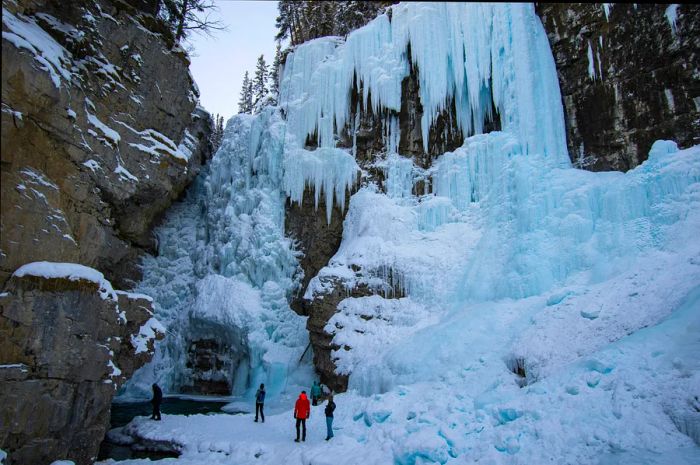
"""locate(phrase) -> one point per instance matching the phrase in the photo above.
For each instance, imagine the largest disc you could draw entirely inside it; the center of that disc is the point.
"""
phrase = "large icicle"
(476, 53)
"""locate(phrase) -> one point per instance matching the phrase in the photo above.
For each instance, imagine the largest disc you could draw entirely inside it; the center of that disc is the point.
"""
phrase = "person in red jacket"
(302, 410)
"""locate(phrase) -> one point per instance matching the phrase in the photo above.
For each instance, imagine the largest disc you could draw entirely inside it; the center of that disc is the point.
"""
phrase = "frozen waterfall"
(524, 283)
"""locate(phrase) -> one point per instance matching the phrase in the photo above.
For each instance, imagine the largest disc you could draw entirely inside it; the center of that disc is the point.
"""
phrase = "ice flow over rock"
(545, 314)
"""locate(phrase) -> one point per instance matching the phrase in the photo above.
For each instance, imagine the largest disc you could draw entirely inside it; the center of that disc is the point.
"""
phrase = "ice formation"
(475, 53)
(525, 311)
(224, 269)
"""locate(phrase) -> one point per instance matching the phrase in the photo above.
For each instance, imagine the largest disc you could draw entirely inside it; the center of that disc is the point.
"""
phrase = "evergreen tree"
(288, 21)
(300, 21)
(245, 104)
(213, 135)
(354, 14)
(217, 132)
(260, 81)
(275, 71)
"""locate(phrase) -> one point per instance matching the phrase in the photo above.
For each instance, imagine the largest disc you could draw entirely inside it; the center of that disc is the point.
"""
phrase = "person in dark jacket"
(156, 401)
(259, 402)
(302, 411)
(330, 408)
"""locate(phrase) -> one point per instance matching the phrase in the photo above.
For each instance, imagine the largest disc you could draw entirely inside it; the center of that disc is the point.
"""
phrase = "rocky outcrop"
(66, 345)
(100, 133)
(317, 239)
(628, 76)
(212, 366)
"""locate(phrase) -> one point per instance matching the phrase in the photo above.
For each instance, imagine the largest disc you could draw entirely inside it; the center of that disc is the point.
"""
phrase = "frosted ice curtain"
(523, 311)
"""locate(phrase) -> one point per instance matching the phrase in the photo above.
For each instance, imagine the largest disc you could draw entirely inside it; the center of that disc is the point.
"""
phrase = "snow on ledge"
(70, 271)
(24, 33)
(149, 331)
(135, 296)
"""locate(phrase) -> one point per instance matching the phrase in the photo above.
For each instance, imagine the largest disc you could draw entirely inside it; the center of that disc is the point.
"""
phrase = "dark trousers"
(156, 412)
(314, 400)
(302, 422)
(259, 408)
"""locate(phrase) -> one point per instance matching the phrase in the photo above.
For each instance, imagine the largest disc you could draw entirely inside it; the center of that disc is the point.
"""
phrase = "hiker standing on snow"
(157, 399)
(259, 403)
(315, 393)
(330, 407)
(302, 411)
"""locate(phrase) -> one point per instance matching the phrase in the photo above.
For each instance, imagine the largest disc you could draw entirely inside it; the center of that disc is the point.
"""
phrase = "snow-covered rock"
(67, 346)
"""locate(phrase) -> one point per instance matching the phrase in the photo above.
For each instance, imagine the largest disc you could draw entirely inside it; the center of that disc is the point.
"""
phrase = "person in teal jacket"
(315, 393)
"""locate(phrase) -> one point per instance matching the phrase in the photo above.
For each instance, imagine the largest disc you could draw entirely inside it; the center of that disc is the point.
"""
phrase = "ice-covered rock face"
(225, 270)
(475, 297)
(482, 55)
(502, 217)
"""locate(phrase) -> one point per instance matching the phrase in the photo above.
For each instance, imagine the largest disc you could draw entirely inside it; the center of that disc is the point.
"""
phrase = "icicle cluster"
(481, 55)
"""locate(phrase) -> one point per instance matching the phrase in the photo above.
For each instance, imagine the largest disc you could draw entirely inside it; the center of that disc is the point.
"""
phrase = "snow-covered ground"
(622, 404)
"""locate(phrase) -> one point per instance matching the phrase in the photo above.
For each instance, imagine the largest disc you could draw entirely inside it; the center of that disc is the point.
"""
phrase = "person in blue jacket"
(259, 402)
(315, 393)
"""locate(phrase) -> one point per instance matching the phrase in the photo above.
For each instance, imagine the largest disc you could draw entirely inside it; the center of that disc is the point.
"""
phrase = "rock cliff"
(67, 344)
(100, 133)
(628, 76)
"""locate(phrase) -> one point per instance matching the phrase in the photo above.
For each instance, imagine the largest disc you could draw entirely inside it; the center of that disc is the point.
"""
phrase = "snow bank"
(147, 332)
(70, 271)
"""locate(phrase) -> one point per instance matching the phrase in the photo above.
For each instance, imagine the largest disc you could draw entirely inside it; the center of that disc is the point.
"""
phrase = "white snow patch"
(162, 144)
(135, 295)
(123, 172)
(70, 271)
(93, 165)
(24, 33)
(147, 332)
(35, 177)
(115, 370)
(112, 136)
(7, 109)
